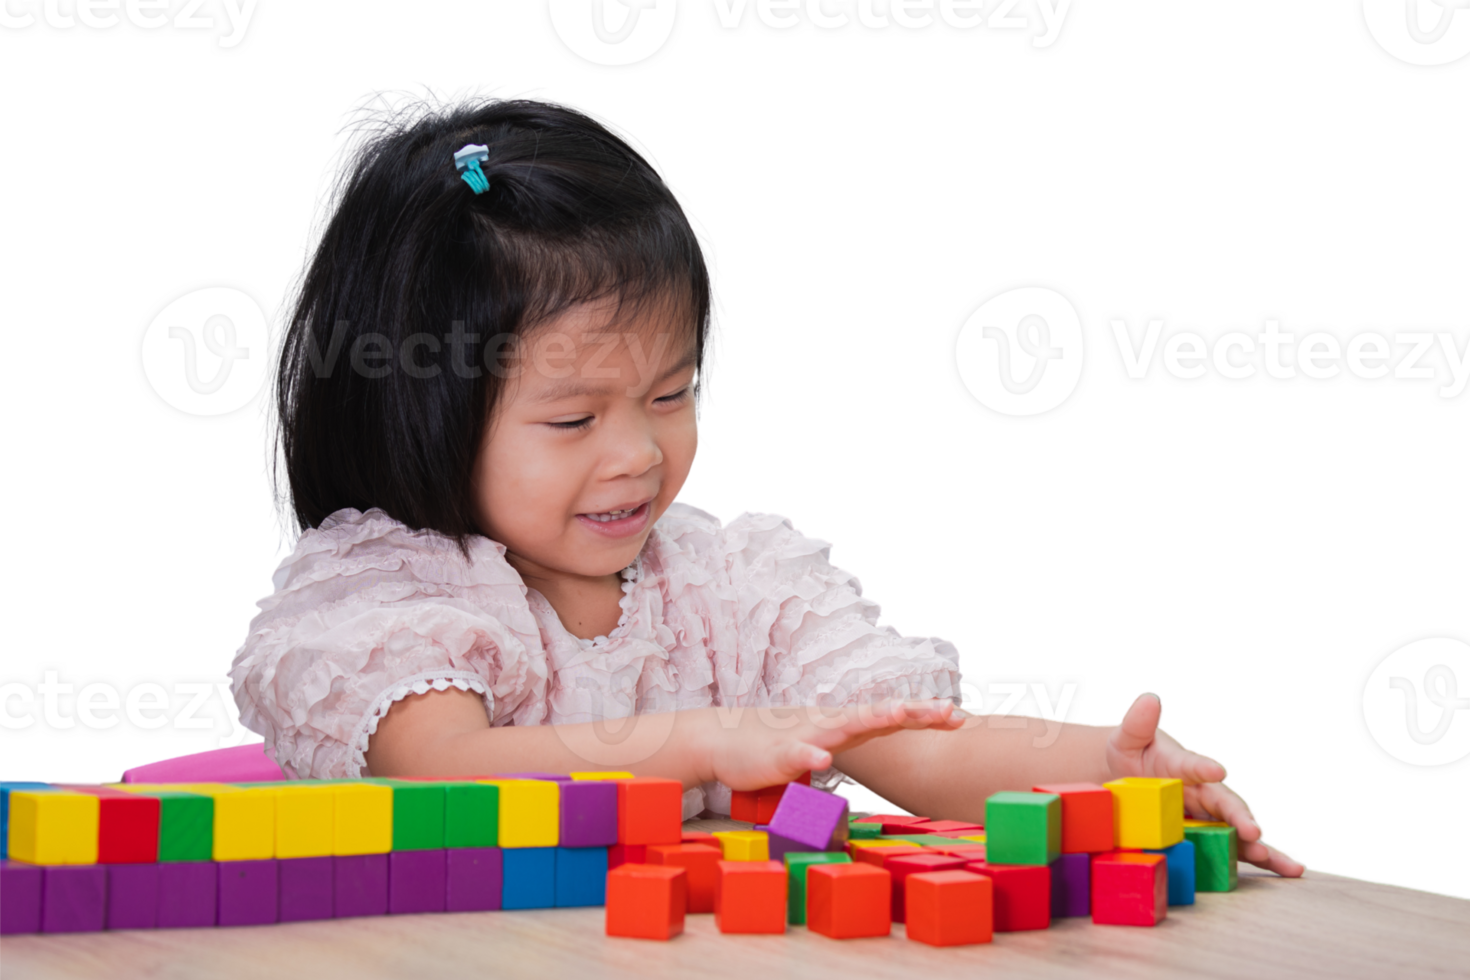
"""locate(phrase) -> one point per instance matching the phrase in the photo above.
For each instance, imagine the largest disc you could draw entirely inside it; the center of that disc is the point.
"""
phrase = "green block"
(796, 868)
(864, 831)
(923, 840)
(1023, 828)
(418, 815)
(1215, 851)
(471, 815)
(185, 826)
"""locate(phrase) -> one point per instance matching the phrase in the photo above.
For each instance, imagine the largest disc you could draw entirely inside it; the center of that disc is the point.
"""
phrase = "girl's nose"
(633, 450)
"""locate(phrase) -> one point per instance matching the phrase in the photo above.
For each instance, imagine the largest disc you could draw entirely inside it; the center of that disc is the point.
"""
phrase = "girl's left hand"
(1137, 748)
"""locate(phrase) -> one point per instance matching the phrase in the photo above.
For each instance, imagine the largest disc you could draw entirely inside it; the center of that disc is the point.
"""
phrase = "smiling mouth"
(619, 518)
(612, 515)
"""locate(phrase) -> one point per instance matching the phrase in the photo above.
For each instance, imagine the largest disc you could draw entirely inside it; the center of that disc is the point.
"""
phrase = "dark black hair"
(383, 390)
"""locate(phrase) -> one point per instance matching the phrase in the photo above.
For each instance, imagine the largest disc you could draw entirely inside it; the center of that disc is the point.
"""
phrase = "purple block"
(1071, 885)
(473, 879)
(74, 898)
(778, 846)
(416, 881)
(589, 814)
(132, 896)
(248, 892)
(20, 898)
(359, 885)
(812, 818)
(188, 892)
(305, 888)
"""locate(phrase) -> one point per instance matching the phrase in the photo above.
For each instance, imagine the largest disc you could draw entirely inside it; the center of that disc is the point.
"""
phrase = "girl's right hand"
(752, 748)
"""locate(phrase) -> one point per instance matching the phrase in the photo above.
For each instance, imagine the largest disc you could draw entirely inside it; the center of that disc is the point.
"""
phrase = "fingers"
(1264, 856)
(1195, 768)
(799, 757)
(1136, 732)
(1222, 803)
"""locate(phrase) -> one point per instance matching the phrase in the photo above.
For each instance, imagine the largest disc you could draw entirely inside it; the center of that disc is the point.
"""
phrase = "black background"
(1250, 548)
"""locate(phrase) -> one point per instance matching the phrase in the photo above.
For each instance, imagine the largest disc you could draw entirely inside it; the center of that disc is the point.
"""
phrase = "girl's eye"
(675, 397)
(575, 424)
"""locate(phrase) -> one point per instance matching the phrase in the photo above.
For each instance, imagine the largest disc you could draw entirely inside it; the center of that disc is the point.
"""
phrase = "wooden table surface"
(1321, 925)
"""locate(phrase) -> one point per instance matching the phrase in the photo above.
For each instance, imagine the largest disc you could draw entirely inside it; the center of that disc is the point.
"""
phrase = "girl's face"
(591, 441)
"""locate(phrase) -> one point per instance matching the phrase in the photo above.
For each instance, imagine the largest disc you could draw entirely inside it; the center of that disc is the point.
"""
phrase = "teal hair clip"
(467, 162)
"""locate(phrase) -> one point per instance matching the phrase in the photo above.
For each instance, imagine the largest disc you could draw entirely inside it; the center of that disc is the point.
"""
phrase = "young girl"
(486, 402)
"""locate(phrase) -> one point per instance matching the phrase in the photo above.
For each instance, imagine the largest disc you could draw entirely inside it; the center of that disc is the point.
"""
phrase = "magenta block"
(1071, 885)
(589, 814)
(132, 896)
(416, 881)
(359, 885)
(20, 898)
(305, 888)
(473, 877)
(810, 817)
(74, 898)
(248, 892)
(188, 893)
(779, 846)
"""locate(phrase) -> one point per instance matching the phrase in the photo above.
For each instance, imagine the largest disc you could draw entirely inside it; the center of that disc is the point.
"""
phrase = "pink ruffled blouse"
(366, 611)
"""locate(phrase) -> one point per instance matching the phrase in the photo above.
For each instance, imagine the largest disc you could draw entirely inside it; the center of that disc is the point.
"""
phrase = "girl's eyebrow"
(578, 387)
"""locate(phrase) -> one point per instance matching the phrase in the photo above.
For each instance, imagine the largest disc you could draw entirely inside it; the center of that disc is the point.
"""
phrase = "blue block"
(529, 878)
(581, 876)
(1180, 862)
(5, 789)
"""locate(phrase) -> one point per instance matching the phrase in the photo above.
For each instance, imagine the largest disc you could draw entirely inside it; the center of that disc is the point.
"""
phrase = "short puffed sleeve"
(367, 612)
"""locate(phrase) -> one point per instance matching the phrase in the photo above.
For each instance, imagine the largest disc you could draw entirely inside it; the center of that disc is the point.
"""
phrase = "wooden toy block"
(901, 825)
(20, 898)
(650, 810)
(743, 845)
(878, 856)
(416, 881)
(944, 827)
(305, 889)
(185, 825)
(1179, 866)
(922, 840)
(759, 806)
(948, 908)
(5, 788)
(798, 865)
(471, 814)
(751, 897)
(581, 876)
(127, 825)
(1129, 888)
(977, 838)
(848, 901)
(74, 898)
(698, 837)
(528, 878)
(418, 814)
(589, 813)
(360, 885)
(1023, 828)
(1215, 853)
(900, 866)
(744, 806)
(863, 831)
(1071, 885)
(363, 822)
(620, 854)
(1021, 896)
(530, 812)
(778, 845)
(244, 821)
(854, 846)
(967, 850)
(600, 775)
(1087, 816)
(811, 817)
(248, 893)
(1147, 813)
(1191, 822)
(473, 879)
(188, 894)
(646, 901)
(132, 896)
(305, 813)
(701, 862)
(53, 827)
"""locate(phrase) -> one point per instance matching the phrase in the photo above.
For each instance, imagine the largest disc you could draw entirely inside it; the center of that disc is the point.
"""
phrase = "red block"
(889, 818)
(620, 854)
(902, 825)
(848, 901)
(970, 851)
(945, 827)
(948, 908)
(900, 866)
(878, 856)
(127, 827)
(650, 810)
(702, 863)
(646, 901)
(751, 897)
(1087, 816)
(759, 805)
(1129, 888)
(695, 837)
(1022, 894)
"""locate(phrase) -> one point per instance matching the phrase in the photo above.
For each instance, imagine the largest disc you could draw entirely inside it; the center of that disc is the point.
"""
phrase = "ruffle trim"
(632, 575)
(429, 680)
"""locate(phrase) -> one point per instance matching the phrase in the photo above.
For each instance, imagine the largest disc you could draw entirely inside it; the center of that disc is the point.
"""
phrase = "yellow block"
(364, 821)
(305, 819)
(744, 845)
(1147, 812)
(979, 838)
(1188, 822)
(881, 843)
(600, 775)
(51, 827)
(244, 819)
(530, 812)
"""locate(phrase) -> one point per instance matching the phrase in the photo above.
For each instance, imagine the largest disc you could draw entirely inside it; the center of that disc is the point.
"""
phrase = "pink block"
(241, 764)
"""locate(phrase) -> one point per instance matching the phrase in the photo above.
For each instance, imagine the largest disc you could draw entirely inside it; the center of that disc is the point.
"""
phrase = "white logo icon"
(206, 352)
(1417, 702)
(1420, 32)
(613, 32)
(1021, 352)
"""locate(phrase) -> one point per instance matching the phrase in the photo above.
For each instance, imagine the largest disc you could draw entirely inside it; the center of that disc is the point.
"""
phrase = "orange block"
(696, 837)
(948, 908)
(848, 901)
(1087, 816)
(751, 897)
(702, 863)
(876, 856)
(646, 901)
(650, 810)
